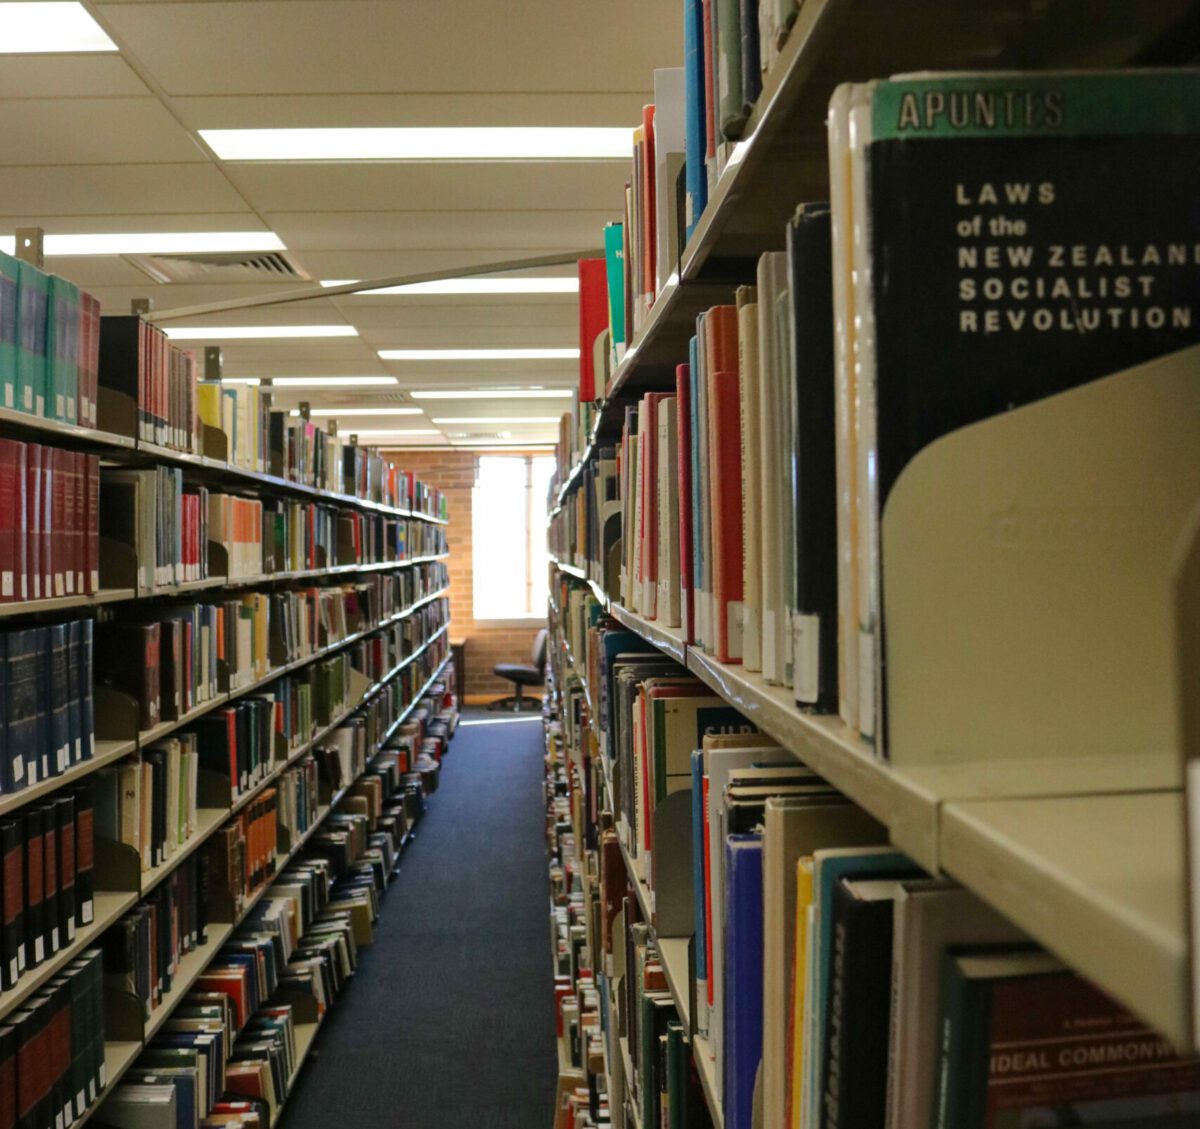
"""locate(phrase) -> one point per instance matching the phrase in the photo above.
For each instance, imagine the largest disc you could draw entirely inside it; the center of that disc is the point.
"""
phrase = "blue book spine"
(742, 1023)
(695, 139)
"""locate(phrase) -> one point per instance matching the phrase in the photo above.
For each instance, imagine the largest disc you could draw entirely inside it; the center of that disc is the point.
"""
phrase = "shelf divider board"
(1187, 621)
(1098, 880)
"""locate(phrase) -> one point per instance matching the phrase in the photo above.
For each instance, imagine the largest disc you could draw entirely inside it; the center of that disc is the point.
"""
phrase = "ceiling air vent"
(223, 266)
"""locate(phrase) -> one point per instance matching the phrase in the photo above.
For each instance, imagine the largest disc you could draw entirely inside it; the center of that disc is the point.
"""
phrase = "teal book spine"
(62, 350)
(10, 272)
(33, 300)
(614, 259)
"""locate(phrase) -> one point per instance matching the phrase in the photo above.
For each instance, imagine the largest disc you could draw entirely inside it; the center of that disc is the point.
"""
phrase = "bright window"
(508, 510)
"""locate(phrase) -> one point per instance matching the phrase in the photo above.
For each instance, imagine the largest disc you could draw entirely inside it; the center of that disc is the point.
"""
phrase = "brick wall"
(454, 473)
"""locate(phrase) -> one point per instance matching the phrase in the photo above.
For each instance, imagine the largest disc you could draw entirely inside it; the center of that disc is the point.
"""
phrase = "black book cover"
(21, 705)
(57, 640)
(74, 705)
(120, 341)
(35, 938)
(8, 1077)
(203, 884)
(7, 784)
(127, 660)
(59, 1040)
(854, 1070)
(77, 976)
(12, 898)
(45, 751)
(751, 66)
(87, 705)
(26, 1027)
(171, 674)
(214, 732)
(85, 853)
(245, 737)
(1015, 249)
(64, 813)
(814, 483)
(50, 879)
(158, 812)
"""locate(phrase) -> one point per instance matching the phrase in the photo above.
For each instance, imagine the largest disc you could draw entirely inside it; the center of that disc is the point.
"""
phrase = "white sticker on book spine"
(6, 584)
(18, 769)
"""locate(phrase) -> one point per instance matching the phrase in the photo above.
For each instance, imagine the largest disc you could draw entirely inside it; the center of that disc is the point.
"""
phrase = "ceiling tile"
(96, 190)
(373, 46)
(81, 76)
(78, 131)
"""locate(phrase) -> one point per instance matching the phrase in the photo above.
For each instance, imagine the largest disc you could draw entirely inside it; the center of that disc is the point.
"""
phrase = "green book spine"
(33, 299)
(963, 1049)
(10, 272)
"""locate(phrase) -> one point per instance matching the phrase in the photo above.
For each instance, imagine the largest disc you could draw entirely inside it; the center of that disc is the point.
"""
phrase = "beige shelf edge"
(1098, 880)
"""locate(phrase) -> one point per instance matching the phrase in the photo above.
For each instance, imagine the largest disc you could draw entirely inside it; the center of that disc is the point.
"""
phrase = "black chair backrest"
(539, 649)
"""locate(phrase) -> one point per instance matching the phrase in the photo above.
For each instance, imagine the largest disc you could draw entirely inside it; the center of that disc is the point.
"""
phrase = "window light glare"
(256, 332)
(494, 394)
(423, 143)
(360, 411)
(54, 28)
(479, 354)
(497, 419)
(154, 242)
(469, 286)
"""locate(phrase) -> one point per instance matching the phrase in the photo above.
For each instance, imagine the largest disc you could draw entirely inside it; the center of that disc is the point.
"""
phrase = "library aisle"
(444, 1025)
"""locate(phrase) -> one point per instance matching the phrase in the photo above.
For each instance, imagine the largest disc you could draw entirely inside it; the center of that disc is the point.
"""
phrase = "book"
(855, 1026)
(752, 484)
(593, 320)
(930, 917)
(1040, 194)
(1020, 1032)
(695, 129)
(741, 1049)
(793, 827)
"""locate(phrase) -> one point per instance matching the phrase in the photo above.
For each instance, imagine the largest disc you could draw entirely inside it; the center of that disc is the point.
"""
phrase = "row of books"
(49, 532)
(49, 345)
(805, 925)
(52, 1048)
(47, 702)
(228, 1054)
(816, 387)
(47, 879)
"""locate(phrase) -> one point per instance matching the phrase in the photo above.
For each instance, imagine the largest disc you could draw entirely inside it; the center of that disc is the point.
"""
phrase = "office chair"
(521, 676)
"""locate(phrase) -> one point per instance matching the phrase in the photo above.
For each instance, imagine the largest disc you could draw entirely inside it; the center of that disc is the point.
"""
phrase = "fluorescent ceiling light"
(425, 143)
(494, 394)
(29, 29)
(360, 411)
(391, 431)
(497, 419)
(470, 286)
(332, 381)
(254, 380)
(479, 354)
(522, 443)
(259, 332)
(154, 242)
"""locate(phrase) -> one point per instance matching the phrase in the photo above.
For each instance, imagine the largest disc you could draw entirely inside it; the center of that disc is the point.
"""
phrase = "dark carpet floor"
(449, 1019)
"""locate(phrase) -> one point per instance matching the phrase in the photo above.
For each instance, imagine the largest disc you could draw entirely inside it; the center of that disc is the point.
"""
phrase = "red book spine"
(12, 543)
(33, 520)
(726, 508)
(49, 518)
(683, 410)
(60, 516)
(593, 320)
(73, 512)
(92, 522)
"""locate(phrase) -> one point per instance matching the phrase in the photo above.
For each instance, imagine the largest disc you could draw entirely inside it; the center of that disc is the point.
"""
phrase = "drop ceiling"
(109, 143)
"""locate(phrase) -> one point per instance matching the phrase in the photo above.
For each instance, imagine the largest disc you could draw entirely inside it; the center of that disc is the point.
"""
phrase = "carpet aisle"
(448, 1021)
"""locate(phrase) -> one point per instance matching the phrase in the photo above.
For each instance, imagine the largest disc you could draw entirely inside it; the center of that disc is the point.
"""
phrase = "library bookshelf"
(1083, 846)
(121, 882)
